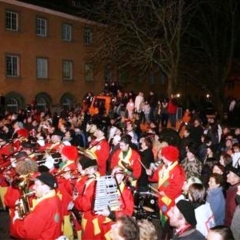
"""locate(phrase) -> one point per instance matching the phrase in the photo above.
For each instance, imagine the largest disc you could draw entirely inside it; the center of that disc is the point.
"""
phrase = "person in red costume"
(93, 225)
(55, 143)
(78, 190)
(69, 155)
(170, 177)
(100, 148)
(44, 221)
(128, 159)
(126, 206)
(19, 135)
(23, 170)
(6, 151)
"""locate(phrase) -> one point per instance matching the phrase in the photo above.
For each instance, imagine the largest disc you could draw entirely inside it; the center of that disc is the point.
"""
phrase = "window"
(41, 104)
(66, 32)
(12, 105)
(66, 104)
(87, 36)
(12, 66)
(67, 70)
(88, 72)
(42, 68)
(41, 27)
(11, 21)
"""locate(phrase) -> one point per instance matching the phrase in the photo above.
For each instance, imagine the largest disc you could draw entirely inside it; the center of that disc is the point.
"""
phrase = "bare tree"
(212, 34)
(141, 35)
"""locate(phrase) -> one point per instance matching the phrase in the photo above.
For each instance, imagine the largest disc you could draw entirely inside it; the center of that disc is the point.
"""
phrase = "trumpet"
(73, 173)
(23, 205)
(55, 161)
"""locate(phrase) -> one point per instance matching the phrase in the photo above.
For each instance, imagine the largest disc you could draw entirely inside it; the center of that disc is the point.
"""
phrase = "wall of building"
(29, 46)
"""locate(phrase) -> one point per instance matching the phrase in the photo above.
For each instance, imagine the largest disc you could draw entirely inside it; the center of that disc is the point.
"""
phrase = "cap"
(187, 210)
(27, 145)
(48, 179)
(87, 162)
(236, 171)
(58, 133)
(70, 152)
(102, 127)
(171, 153)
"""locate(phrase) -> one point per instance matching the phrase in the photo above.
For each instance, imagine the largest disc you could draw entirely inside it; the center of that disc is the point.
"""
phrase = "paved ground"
(4, 226)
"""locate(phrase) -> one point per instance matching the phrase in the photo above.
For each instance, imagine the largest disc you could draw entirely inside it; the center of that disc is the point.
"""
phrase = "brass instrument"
(23, 205)
(87, 153)
(56, 161)
(54, 158)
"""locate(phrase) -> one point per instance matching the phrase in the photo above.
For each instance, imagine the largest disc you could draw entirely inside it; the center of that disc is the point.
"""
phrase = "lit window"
(42, 68)
(41, 27)
(11, 21)
(66, 32)
(12, 66)
(87, 36)
(88, 72)
(67, 70)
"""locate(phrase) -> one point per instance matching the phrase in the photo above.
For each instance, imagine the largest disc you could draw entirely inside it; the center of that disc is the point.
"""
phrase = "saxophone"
(23, 206)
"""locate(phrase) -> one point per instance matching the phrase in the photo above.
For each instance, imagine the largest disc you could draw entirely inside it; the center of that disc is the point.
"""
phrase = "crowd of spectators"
(209, 154)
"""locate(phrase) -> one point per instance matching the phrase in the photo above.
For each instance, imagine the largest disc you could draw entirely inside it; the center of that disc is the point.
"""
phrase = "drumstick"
(143, 165)
(154, 189)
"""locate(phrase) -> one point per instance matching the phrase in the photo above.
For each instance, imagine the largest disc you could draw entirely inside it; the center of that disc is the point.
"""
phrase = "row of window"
(42, 66)
(12, 24)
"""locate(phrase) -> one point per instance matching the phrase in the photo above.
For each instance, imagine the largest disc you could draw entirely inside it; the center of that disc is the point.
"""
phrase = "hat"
(27, 145)
(171, 153)
(58, 133)
(102, 127)
(193, 148)
(20, 156)
(70, 152)
(48, 179)
(87, 162)
(236, 171)
(22, 133)
(187, 210)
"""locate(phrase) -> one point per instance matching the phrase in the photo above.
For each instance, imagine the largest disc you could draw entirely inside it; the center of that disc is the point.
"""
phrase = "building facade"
(44, 57)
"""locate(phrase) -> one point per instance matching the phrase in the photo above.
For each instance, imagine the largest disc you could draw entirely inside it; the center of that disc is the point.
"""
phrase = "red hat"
(171, 153)
(70, 152)
(22, 133)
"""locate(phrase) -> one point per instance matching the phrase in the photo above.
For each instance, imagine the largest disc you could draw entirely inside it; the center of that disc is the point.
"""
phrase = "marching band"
(77, 170)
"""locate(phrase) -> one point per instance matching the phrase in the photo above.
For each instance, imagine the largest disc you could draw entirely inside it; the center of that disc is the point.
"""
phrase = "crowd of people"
(77, 176)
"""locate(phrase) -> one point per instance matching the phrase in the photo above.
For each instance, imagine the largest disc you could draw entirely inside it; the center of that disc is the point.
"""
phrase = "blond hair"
(26, 166)
(147, 230)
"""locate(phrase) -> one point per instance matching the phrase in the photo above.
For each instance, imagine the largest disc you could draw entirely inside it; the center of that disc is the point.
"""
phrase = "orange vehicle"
(99, 105)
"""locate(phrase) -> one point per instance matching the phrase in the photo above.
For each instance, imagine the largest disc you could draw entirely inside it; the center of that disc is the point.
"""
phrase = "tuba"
(22, 183)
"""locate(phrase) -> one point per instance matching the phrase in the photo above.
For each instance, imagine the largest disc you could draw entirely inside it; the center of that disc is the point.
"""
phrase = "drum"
(138, 200)
(150, 203)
